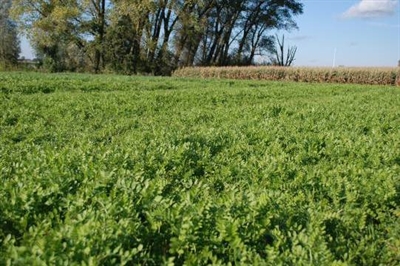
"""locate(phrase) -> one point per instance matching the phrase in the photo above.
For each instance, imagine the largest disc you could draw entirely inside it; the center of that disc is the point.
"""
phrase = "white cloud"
(371, 9)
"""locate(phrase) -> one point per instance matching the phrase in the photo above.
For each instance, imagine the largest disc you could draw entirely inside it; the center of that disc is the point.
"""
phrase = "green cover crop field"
(113, 170)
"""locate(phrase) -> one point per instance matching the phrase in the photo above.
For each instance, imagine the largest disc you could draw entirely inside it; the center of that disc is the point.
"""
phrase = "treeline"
(151, 36)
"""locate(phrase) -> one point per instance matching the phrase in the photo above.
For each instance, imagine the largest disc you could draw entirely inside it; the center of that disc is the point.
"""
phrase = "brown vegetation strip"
(371, 76)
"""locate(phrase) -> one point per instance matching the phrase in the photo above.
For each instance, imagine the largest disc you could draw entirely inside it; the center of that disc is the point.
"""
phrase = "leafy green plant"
(116, 170)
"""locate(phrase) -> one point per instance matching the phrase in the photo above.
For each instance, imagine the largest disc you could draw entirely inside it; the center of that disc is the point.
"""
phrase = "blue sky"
(363, 33)
(340, 32)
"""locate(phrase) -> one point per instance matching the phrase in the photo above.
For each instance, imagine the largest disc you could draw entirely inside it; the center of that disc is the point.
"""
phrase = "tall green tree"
(128, 36)
(260, 16)
(9, 41)
(50, 26)
(66, 34)
(192, 27)
(93, 25)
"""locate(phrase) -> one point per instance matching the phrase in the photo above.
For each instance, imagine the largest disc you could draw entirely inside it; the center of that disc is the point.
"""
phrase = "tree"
(93, 19)
(64, 33)
(259, 17)
(191, 29)
(9, 42)
(50, 26)
(128, 35)
(278, 57)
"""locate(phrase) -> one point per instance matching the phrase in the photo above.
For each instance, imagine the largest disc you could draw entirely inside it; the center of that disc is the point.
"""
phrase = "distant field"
(365, 76)
(114, 170)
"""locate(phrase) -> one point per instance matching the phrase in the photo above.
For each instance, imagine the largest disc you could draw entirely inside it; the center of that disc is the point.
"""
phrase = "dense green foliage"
(107, 170)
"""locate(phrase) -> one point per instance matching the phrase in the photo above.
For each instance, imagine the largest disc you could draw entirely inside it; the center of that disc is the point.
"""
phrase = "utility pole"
(334, 58)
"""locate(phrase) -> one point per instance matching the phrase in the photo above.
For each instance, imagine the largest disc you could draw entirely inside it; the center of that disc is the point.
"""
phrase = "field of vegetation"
(115, 170)
(368, 76)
